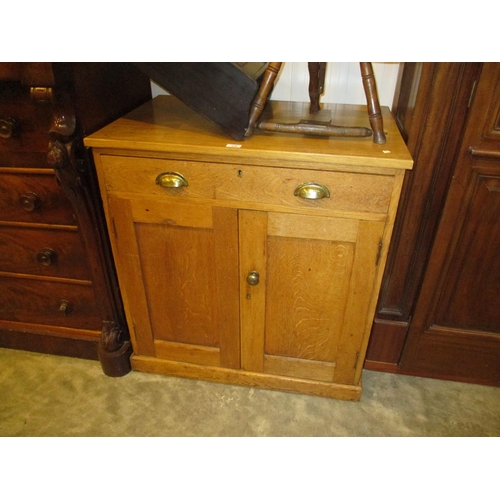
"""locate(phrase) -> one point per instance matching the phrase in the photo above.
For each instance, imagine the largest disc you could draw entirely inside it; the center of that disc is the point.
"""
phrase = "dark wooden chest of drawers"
(58, 291)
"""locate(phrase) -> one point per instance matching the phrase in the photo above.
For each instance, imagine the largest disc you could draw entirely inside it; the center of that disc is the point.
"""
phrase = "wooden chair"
(316, 87)
(234, 95)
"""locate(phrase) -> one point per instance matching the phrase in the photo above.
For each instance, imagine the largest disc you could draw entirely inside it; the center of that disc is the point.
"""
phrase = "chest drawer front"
(45, 252)
(34, 198)
(347, 192)
(24, 123)
(49, 303)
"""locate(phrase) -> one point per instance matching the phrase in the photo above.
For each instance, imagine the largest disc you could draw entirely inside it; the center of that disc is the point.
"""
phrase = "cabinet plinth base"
(250, 379)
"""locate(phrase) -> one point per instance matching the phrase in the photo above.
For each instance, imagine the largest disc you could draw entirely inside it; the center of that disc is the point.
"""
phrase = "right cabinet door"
(306, 292)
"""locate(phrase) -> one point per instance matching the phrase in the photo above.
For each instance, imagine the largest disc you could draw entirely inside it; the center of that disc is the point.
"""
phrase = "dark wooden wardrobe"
(439, 309)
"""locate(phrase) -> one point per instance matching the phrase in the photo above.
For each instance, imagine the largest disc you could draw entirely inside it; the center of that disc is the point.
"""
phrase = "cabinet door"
(178, 270)
(310, 312)
(455, 332)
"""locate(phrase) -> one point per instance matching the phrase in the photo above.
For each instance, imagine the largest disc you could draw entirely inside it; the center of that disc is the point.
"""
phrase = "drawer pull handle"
(171, 180)
(8, 128)
(253, 278)
(29, 202)
(312, 191)
(65, 307)
(46, 257)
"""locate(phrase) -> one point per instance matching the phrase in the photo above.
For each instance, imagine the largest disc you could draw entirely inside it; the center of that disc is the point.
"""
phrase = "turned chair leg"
(260, 99)
(316, 84)
(374, 112)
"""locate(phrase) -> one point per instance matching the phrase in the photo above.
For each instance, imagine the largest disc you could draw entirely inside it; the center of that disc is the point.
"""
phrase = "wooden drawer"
(25, 125)
(349, 192)
(45, 252)
(34, 197)
(40, 301)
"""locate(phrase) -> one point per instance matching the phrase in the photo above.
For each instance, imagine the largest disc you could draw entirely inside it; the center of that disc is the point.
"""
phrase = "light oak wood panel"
(253, 254)
(247, 378)
(126, 253)
(314, 293)
(361, 300)
(182, 279)
(307, 289)
(194, 249)
(179, 278)
(299, 368)
(165, 125)
(365, 193)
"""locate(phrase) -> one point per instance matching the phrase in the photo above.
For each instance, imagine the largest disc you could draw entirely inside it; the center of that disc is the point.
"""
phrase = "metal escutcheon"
(253, 278)
(171, 180)
(312, 191)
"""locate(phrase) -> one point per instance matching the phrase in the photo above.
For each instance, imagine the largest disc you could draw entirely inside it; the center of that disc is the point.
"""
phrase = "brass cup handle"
(171, 180)
(312, 191)
(253, 278)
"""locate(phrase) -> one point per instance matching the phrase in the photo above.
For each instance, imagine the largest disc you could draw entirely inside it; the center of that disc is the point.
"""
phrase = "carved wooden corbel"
(66, 157)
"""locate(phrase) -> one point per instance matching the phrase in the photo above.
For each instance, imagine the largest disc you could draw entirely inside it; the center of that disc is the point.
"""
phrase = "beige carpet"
(44, 395)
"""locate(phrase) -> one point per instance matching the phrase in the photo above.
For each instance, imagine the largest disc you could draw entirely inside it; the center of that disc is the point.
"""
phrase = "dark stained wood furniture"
(439, 309)
(58, 290)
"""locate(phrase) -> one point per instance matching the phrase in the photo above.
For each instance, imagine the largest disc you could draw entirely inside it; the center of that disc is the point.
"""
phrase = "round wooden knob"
(47, 257)
(8, 128)
(29, 202)
(65, 307)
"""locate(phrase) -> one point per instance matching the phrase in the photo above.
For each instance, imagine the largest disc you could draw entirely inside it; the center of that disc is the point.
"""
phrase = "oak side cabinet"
(257, 262)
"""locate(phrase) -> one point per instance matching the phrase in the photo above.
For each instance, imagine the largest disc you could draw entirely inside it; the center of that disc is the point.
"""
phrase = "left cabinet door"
(178, 269)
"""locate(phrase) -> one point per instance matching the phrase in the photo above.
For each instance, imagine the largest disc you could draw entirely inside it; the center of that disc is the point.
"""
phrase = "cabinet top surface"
(166, 125)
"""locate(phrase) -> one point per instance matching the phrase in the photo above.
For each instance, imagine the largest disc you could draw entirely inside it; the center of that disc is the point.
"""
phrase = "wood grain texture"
(126, 252)
(253, 254)
(299, 368)
(455, 327)
(186, 259)
(247, 378)
(51, 206)
(179, 279)
(430, 107)
(38, 301)
(307, 282)
(53, 230)
(304, 324)
(226, 261)
(349, 192)
(362, 293)
(165, 125)
(471, 295)
(23, 249)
